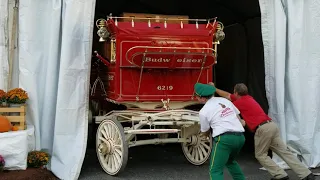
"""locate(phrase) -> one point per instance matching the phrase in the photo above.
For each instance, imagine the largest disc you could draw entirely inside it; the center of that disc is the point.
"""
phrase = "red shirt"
(250, 110)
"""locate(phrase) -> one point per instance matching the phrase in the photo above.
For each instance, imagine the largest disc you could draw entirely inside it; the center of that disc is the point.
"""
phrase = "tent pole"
(13, 43)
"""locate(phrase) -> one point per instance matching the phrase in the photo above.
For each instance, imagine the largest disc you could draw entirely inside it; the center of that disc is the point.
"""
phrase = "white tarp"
(54, 51)
(291, 36)
(14, 148)
(4, 43)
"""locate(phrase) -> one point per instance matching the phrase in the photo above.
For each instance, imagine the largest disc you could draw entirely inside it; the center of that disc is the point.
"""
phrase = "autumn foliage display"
(37, 159)
(17, 96)
(3, 96)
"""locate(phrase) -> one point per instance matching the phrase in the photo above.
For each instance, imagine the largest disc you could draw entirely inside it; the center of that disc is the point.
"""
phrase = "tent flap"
(55, 41)
(291, 34)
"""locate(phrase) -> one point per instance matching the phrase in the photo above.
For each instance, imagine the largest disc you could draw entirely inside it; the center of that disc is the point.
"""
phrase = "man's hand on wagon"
(211, 83)
(243, 122)
(205, 134)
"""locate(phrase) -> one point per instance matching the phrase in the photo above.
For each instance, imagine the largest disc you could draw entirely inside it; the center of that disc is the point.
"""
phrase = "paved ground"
(167, 163)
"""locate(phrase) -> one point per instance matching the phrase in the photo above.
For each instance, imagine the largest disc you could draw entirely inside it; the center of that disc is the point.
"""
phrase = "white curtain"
(291, 36)
(55, 40)
(4, 43)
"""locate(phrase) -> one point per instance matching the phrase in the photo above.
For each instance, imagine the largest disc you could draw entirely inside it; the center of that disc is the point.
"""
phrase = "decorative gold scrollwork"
(113, 51)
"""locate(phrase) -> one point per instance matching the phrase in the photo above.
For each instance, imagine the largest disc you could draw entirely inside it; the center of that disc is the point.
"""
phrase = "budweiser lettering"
(189, 60)
(166, 60)
(149, 59)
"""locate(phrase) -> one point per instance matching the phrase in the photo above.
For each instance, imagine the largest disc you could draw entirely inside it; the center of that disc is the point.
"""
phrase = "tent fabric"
(55, 40)
(291, 34)
(54, 63)
(4, 43)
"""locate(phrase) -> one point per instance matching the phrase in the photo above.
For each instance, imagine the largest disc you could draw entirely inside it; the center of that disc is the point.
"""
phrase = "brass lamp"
(102, 32)
(220, 35)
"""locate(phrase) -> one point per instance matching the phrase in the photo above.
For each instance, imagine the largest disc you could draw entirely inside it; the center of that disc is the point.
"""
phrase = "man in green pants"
(221, 116)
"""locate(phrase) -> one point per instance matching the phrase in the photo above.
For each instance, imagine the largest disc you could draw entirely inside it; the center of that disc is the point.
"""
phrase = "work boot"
(309, 177)
(284, 178)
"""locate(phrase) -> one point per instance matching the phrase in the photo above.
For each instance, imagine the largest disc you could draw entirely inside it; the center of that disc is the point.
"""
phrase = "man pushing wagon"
(221, 116)
(266, 134)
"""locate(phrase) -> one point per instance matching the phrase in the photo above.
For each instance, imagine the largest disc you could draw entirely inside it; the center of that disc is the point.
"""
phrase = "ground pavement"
(167, 162)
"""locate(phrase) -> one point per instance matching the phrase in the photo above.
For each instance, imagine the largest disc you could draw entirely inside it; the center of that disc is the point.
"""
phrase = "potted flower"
(17, 97)
(3, 98)
(2, 163)
(37, 159)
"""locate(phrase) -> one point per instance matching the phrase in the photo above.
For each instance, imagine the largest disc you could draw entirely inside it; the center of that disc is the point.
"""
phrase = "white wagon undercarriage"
(118, 129)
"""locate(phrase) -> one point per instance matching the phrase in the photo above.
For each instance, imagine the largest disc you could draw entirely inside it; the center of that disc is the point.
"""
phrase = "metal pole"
(214, 67)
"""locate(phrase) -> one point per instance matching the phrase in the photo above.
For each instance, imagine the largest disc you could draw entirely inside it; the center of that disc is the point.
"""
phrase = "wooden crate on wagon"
(154, 18)
(17, 121)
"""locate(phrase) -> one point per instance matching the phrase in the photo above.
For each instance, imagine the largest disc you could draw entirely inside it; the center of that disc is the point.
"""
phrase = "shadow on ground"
(167, 162)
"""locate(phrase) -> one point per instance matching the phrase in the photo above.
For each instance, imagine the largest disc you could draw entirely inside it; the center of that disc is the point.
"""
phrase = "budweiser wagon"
(152, 68)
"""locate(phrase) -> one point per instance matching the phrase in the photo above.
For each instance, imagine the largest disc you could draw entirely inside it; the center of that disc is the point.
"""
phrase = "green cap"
(204, 89)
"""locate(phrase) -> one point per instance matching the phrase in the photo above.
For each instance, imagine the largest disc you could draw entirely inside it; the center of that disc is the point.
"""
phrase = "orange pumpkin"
(5, 124)
(15, 128)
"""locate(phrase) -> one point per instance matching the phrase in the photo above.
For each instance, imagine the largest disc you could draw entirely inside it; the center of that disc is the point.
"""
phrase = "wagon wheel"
(198, 150)
(111, 147)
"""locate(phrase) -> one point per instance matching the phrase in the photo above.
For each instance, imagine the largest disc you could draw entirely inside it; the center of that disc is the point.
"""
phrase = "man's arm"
(238, 112)
(242, 121)
(222, 93)
(204, 126)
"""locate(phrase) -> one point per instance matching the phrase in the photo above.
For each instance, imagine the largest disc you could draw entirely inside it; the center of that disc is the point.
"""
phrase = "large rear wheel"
(111, 147)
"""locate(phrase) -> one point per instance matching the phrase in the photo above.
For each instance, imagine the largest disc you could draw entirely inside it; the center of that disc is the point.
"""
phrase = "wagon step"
(152, 131)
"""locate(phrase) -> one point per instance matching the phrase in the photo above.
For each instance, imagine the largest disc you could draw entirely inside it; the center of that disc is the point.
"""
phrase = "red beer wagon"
(152, 68)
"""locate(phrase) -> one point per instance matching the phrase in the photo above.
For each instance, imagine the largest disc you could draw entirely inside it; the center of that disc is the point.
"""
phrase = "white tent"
(52, 62)
(53, 57)
(291, 34)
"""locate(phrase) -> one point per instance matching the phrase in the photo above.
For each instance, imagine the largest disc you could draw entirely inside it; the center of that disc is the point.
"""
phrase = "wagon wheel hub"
(194, 140)
(107, 147)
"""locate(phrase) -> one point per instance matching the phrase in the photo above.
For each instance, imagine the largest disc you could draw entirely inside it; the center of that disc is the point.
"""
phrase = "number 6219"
(163, 88)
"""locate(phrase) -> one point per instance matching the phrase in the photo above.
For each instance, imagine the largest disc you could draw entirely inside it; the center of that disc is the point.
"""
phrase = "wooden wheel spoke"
(107, 159)
(190, 150)
(104, 134)
(200, 153)
(111, 163)
(116, 137)
(204, 152)
(118, 157)
(106, 131)
(103, 139)
(117, 151)
(113, 132)
(109, 131)
(197, 153)
(193, 153)
(205, 146)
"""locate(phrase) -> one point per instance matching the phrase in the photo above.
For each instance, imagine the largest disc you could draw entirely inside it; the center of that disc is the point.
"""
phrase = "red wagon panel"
(158, 61)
